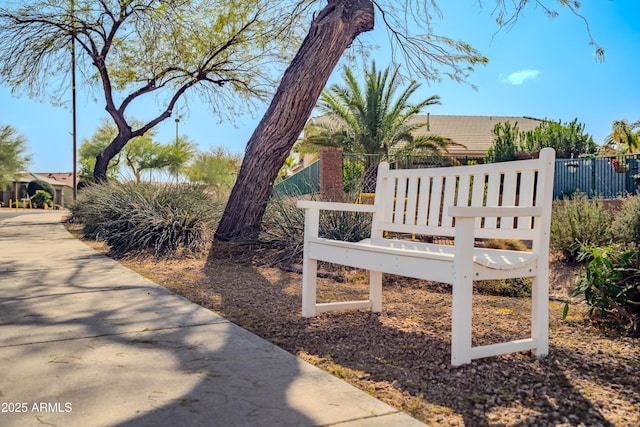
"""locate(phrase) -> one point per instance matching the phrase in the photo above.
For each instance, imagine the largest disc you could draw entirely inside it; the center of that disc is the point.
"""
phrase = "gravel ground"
(401, 356)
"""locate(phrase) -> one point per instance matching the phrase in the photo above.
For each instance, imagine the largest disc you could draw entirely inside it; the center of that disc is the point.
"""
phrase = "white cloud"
(520, 77)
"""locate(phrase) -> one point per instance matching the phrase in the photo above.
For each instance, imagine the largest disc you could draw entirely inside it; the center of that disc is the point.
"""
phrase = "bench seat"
(483, 258)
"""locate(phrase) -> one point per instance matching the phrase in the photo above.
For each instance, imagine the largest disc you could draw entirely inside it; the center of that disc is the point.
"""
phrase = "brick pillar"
(331, 174)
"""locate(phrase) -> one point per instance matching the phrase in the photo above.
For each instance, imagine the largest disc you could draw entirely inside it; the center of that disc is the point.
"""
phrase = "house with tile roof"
(61, 182)
(474, 134)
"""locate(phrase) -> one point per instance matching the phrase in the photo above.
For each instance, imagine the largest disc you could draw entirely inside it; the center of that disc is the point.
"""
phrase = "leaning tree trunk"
(331, 33)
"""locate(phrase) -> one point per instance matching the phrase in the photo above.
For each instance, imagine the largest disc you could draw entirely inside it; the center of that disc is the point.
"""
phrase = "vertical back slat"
(527, 179)
(434, 204)
(449, 195)
(423, 200)
(412, 199)
(477, 194)
(509, 188)
(493, 197)
(390, 194)
(401, 195)
(463, 190)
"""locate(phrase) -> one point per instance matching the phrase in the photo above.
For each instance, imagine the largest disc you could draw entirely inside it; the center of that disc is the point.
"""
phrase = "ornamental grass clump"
(283, 227)
(163, 220)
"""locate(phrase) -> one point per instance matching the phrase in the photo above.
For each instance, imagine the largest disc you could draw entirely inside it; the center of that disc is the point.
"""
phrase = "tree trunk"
(331, 33)
(103, 159)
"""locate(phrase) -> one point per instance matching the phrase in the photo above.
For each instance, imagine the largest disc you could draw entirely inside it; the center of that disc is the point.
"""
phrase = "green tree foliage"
(624, 138)
(92, 147)
(505, 142)
(13, 157)
(40, 185)
(217, 168)
(568, 139)
(141, 154)
(145, 154)
(374, 118)
(42, 198)
(223, 52)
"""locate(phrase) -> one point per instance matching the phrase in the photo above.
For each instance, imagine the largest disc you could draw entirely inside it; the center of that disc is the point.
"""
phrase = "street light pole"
(177, 121)
(73, 101)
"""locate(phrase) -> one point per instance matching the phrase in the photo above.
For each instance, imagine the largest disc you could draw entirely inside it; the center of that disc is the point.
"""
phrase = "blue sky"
(542, 67)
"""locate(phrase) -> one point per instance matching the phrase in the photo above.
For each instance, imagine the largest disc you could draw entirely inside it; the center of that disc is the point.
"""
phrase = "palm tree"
(371, 120)
(624, 137)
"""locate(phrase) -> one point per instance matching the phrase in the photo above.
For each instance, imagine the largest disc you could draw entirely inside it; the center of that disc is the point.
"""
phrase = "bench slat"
(449, 194)
(435, 202)
(412, 201)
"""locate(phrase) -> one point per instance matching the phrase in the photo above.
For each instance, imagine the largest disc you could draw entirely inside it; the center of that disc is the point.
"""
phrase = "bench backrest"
(415, 201)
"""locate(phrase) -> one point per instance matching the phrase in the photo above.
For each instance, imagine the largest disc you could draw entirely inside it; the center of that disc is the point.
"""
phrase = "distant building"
(474, 133)
(61, 182)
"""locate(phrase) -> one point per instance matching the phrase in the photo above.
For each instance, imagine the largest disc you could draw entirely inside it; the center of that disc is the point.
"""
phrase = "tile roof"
(474, 132)
(48, 177)
(61, 177)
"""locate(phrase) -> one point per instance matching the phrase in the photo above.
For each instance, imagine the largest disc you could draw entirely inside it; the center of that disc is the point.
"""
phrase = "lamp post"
(177, 121)
(73, 104)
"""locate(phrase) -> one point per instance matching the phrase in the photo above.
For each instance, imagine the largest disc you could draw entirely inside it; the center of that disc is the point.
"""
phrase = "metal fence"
(607, 177)
(307, 181)
(604, 177)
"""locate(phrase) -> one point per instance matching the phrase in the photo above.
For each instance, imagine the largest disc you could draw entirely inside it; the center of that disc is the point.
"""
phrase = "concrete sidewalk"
(87, 342)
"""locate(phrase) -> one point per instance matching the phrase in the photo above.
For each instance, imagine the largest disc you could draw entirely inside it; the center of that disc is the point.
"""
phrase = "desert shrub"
(505, 244)
(283, 227)
(610, 285)
(626, 224)
(519, 287)
(141, 218)
(41, 198)
(38, 184)
(576, 222)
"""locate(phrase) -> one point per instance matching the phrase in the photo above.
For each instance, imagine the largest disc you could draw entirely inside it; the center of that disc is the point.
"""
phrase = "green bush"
(38, 184)
(576, 222)
(626, 225)
(141, 218)
(41, 198)
(610, 285)
(352, 173)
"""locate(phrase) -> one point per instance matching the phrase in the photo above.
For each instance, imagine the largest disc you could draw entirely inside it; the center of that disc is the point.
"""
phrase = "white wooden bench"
(508, 200)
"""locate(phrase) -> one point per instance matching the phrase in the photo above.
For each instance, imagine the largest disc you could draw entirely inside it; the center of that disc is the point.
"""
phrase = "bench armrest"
(334, 206)
(493, 211)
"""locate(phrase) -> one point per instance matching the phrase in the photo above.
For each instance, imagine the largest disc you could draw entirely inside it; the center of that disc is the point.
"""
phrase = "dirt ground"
(401, 356)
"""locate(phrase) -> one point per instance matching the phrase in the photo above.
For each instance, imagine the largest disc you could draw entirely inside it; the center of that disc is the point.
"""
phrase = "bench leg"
(375, 291)
(540, 314)
(309, 276)
(462, 297)
(461, 315)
